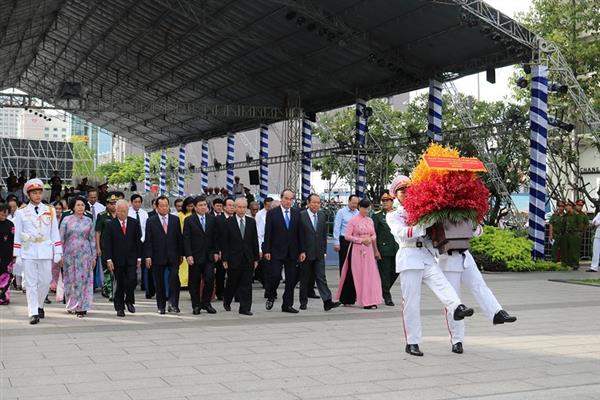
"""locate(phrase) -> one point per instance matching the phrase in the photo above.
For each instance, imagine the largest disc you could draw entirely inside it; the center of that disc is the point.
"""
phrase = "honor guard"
(37, 245)
(416, 264)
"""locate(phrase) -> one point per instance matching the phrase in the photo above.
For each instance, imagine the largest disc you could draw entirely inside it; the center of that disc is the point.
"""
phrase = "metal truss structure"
(292, 134)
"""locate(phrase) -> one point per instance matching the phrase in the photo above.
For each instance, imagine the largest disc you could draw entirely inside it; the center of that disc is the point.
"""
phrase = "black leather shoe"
(172, 309)
(161, 311)
(457, 348)
(290, 310)
(149, 296)
(210, 309)
(371, 307)
(303, 306)
(269, 304)
(121, 313)
(413, 350)
(41, 313)
(104, 294)
(246, 313)
(590, 270)
(331, 305)
(461, 312)
(34, 319)
(131, 308)
(47, 300)
(196, 311)
(313, 296)
(111, 299)
(227, 307)
(502, 317)
(389, 303)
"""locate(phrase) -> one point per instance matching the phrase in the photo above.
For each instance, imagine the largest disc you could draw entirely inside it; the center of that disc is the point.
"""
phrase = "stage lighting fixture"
(342, 43)
(558, 88)
(49, 119)
(527, 68)
(30, 110)
(35, 113)
(522, 82)
(372, 58)
(367, 112)
(300, 20)
(486, 29)
(472, 22)
(495, 36)
(290, 15)
(560, 124)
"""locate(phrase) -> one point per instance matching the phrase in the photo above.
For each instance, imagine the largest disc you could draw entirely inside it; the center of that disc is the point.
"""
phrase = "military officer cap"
(561, 203)
(580, 202)
(398, 183)
(570, 203)
(33, 184)
(113, 198)
(386, 196)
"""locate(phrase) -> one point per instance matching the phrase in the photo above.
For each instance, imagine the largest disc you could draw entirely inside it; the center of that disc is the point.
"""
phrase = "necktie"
(36, 209)
(203, 223)
(137, 215)
(315, 221)
(93, 212)
(164, 224)
(242, 227)
(123, 228)
(287, 219)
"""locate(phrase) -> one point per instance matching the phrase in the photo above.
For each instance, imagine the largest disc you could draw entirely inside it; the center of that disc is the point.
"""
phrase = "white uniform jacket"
(408, 237)
(36, 235)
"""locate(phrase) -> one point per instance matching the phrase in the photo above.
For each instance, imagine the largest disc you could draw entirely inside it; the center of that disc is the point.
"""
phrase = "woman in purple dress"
(360, 280)
(79, 258)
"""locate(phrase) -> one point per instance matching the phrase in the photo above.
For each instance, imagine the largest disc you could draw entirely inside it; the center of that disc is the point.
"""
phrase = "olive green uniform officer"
(101, 220)
(557, 232)
(387, 248)
(584, 222)
(572, 237)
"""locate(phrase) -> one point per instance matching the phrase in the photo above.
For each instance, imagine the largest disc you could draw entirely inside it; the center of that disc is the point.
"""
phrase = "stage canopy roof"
(153, 70)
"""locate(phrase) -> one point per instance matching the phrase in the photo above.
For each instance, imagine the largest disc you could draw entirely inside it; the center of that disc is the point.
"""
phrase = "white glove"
(419, 231)
(57, 258)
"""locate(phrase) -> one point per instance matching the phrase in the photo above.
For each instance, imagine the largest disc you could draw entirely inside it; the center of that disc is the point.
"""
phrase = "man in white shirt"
(141, 216)
(95, 207)
(260, 219)
(596, 246)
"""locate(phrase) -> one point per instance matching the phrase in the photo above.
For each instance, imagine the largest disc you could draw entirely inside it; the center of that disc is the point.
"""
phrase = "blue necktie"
(203, 224)
(287, 219)
(314, 221)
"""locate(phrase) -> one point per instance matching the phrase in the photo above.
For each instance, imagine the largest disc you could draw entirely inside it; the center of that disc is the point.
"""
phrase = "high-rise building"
(11, 122)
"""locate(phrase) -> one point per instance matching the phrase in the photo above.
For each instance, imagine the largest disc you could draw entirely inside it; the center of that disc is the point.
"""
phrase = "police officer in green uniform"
(557, 231)
(387, 248)
(103, 218)
(572, 237)
(584, 222)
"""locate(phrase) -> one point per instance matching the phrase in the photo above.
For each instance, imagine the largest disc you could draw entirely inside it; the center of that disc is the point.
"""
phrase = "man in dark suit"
(283, 248)
(123, 250)
(163, 249)
(222, 212)
(199, 233)
(313, 231)
(240, 257)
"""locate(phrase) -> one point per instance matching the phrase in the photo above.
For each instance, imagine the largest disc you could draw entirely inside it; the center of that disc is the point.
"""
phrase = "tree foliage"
(133, 168)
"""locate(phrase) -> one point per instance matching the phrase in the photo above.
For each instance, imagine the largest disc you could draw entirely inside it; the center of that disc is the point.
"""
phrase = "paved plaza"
(552, 352)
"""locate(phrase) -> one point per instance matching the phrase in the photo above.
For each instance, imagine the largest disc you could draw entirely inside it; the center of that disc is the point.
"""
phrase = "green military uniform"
(572, 240)
(103, 218)
(558, 231)
(387, 246)
(583, 223)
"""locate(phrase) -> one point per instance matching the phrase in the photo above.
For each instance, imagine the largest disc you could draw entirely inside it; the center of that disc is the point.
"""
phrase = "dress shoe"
(34, 319)
(591, 270)
(173, 309)
(41, 312)
(246, 313)
(220, 298)
(130, 308)
(269, 304)
(502, 316)
(196, 311)
(413, 350)
(209, 309)
(371, 307)
(303, 306)
(313, 296)
(227, 307)
(111, 299)
(104, 294)
(457, 348)
(290, 310)
(461, 312)
(149, 296)
(389, 303)
(121, 313)
(331, 304)
(161, 311)
(47, 300)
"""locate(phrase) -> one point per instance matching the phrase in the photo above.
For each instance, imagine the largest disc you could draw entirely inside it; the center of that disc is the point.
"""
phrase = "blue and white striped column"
(230, 160)
(163, 172)
(204, 166)
(306, 157)
(434, 117)
(361, 159)
(181, 174)
(264, 164)
(147, 181)
(538, 115)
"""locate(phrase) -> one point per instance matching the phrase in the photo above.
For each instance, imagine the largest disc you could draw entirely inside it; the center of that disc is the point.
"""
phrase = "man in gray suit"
(314, 233)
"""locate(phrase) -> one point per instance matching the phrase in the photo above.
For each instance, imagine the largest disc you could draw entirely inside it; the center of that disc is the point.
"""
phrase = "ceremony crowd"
(216, 245)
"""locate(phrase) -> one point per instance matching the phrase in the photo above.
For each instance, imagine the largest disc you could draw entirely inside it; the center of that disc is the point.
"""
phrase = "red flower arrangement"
(453, 196)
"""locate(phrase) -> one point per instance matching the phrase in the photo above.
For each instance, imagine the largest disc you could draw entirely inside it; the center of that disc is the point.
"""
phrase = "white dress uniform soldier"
(416, 264)
(460, 268)
(37, 245)
(596, 245)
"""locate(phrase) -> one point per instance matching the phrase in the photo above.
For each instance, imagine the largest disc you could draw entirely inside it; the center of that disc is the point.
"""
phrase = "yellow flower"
(422, 172)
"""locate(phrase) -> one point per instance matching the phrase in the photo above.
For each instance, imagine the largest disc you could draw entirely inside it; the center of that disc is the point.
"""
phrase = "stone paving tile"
(409, 394)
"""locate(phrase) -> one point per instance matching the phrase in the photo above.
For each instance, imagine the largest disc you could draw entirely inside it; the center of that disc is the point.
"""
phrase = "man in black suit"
(163, 249)
(123, 250)
(240, 257)
(313, 231)
(222, 213)
(199, 233)
(284, 249)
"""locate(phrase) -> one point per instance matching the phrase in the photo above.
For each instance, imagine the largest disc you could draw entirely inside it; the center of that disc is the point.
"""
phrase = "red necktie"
(123, 228)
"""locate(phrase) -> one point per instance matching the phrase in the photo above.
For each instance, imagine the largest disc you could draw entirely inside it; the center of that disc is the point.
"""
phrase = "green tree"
(133, 168)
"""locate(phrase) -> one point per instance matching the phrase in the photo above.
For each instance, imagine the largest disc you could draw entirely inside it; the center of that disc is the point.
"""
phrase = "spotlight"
(472, 22)
(527, 68)
(311, 27)
(558, 88)
(372, 58)
(486, 29)
(300, 20)
(30, 110)
(35, 113)
(367, 112)
(495, 36)
(560, 124)
(522, 82)
(49, 119)
(290, 15)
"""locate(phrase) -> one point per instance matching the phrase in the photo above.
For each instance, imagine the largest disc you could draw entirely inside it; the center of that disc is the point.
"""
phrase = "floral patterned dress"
(79, 256)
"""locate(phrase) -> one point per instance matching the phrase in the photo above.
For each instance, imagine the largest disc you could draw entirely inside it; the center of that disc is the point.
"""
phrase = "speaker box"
(254, 178)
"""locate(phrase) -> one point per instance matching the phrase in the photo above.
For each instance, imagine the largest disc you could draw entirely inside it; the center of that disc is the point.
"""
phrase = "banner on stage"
(455, 164)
